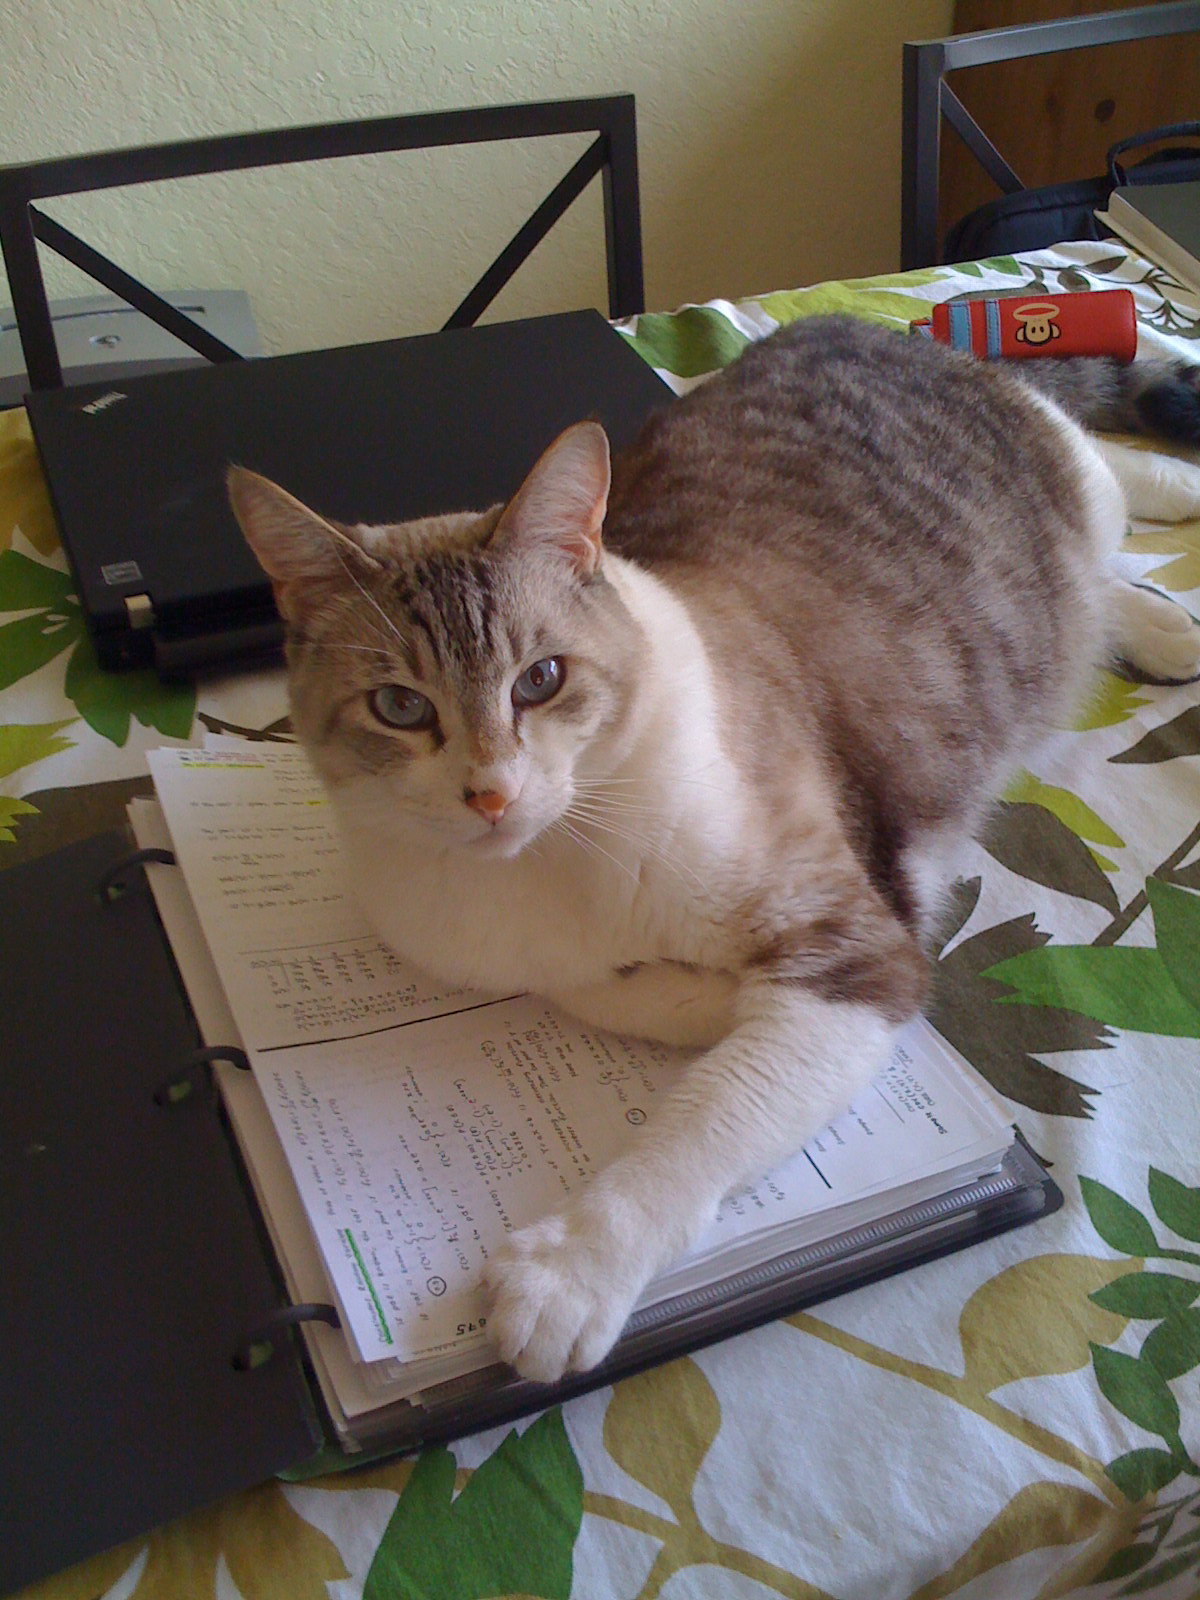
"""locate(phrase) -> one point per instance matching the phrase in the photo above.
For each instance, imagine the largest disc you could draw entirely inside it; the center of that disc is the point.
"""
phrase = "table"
(1019, 1420)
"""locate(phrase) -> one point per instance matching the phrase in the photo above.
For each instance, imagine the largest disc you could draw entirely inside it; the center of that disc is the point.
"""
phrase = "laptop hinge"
(139, 608)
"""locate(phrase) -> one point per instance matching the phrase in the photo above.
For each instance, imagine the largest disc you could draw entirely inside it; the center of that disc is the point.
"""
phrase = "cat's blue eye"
(399, 707)
(540, 682)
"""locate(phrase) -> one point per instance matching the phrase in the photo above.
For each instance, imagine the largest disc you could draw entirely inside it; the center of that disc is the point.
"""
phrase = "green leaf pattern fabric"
(1018, 1420)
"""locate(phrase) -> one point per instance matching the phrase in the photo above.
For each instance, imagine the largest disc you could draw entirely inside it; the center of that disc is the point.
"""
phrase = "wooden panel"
(1054, 117)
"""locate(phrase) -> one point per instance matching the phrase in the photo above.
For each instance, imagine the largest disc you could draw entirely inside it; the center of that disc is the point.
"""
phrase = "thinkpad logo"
(103, 402)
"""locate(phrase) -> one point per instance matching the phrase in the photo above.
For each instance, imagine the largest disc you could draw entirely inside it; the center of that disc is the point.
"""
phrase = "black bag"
(1033, 219)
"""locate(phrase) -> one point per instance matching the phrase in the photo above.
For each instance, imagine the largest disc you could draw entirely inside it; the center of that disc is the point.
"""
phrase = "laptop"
(377, 432)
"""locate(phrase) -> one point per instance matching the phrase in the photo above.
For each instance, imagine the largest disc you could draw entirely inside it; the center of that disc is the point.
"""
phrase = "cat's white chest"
(613, 938)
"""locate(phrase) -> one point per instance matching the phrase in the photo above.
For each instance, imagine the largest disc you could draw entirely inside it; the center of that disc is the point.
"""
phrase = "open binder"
(152, 1362)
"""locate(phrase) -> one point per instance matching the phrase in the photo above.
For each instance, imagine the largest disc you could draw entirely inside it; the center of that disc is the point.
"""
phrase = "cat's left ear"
(560, 507)
(295, 547)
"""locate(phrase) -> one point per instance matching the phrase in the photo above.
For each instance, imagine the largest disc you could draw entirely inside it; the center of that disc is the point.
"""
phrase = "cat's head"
(455, 678)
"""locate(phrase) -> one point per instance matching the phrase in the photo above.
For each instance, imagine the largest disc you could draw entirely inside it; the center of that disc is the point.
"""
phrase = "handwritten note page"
(421, 1125)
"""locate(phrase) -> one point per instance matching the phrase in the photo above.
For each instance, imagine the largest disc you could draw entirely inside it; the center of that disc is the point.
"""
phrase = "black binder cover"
(135, 1266)
(133, 1270)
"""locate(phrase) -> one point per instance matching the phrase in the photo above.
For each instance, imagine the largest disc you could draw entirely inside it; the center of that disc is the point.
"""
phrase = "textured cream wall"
(769, 134)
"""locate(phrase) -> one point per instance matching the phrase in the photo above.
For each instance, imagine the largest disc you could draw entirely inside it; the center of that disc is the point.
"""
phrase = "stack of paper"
(396, 1131)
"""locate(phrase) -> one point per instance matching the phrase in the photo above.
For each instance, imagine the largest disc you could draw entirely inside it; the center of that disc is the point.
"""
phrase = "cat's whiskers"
(608, 807)
(590, 844)
(676, 778)
(383, 653)
(367, 595)
(603, 809)
(589, 818)
(606, 810)
(603, 791)
(603, 804)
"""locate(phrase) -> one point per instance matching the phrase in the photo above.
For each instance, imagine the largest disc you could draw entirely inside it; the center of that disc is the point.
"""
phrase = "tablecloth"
(1019, 1420)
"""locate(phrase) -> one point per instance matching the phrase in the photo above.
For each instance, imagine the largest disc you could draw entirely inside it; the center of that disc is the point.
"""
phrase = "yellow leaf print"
(1181, 540)
(1038, 1516)
(1070, 810)
(271, 1554)
(86, 1579)
(1035, 1320)
(1113, 700)
(24, 502)
(666, 1461)
(860, 298)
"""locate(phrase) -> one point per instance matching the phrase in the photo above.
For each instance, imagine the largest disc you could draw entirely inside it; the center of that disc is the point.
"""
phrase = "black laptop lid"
(367, 433)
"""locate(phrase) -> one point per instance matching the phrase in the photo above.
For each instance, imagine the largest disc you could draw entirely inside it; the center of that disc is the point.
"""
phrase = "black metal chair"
(928, 98)
(613, 155)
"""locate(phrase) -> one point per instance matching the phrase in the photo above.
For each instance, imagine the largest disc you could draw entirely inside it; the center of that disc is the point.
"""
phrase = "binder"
(149, 1360)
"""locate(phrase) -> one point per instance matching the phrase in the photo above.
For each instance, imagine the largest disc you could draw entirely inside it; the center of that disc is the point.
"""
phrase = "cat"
(687, 742)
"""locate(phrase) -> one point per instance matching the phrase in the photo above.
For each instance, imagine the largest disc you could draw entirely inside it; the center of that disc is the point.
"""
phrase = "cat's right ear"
(294, 545)
(560, 507)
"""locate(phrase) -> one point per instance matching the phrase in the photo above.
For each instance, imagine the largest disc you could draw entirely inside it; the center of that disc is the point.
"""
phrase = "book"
(395, 1130)
(1162, 221)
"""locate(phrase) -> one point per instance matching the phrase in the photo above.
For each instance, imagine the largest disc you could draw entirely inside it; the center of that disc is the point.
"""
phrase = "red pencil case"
(1098, 322)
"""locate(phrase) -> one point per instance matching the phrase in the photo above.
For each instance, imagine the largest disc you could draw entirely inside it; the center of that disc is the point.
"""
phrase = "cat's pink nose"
(490, 805)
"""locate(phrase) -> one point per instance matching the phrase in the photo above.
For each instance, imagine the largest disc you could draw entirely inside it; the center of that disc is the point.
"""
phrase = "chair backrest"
(928, 99)
(613, 155)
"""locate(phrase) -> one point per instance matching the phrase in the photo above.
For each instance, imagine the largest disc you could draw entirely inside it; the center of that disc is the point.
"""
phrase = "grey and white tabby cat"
(689, 750)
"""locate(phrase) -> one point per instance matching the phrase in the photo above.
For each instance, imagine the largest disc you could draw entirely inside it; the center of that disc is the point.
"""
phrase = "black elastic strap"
(112, 885)
(260, 1344)
(194, 1079)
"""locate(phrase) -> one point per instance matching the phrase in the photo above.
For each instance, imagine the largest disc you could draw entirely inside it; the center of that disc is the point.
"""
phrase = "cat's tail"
(1155, 397)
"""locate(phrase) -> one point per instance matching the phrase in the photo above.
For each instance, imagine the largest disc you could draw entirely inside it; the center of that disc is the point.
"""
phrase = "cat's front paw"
(1158, 639)
(561, 1291)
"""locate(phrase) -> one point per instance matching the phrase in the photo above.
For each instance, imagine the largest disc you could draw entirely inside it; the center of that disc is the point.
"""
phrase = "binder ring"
(197, 1074)
(259, 1345)
(222, 1052)
(112, 885)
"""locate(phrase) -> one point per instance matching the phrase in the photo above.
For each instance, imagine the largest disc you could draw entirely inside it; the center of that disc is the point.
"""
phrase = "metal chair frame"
(23, 225)
(928, 99)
